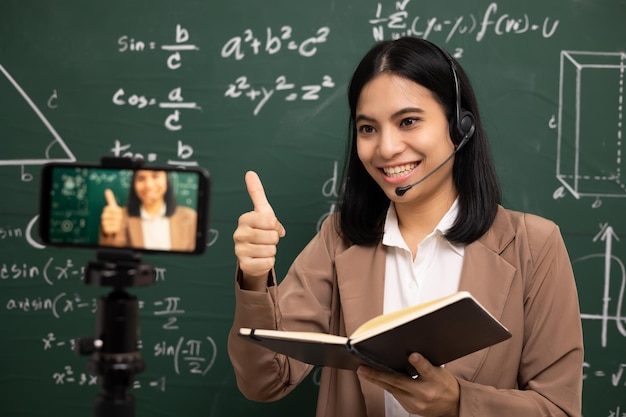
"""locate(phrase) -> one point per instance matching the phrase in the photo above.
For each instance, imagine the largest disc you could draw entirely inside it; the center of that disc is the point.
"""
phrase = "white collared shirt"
(435, 273)
(156, 230)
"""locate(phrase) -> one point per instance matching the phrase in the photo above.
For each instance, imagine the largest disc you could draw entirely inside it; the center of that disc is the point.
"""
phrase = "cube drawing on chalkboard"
(590, 160)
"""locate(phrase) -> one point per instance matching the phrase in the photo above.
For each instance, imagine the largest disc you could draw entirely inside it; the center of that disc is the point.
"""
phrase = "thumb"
(259, 200)
(257, 193)
(110, 198)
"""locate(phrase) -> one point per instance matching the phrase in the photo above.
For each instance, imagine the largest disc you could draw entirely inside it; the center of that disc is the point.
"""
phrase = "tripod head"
(115, 355)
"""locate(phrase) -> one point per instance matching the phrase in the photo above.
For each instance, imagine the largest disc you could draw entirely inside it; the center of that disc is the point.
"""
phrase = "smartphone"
(143, 208)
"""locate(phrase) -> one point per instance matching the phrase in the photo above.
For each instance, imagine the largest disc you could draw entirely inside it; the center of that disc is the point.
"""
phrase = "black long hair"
(134, 203)
(362, 203)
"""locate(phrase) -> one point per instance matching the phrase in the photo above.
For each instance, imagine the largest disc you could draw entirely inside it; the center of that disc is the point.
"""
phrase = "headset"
(463, 122)
(464, 119)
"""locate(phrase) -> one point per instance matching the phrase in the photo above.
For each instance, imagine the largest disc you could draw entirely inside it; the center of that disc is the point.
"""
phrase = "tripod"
(115, 355)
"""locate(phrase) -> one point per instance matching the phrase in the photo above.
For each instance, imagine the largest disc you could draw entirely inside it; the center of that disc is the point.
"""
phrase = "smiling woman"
(419, 218)
(151, 220)
(402, 135)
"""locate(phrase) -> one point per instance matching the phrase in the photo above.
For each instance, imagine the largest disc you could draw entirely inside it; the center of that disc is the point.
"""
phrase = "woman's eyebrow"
(407, 110)
(363, 117)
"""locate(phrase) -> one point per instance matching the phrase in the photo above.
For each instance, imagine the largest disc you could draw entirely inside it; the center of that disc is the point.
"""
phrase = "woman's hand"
(256, 237)
(435, 392)
(112, 214)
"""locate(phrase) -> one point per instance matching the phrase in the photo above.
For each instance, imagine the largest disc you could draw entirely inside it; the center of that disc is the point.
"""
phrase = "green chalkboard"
(241, 84)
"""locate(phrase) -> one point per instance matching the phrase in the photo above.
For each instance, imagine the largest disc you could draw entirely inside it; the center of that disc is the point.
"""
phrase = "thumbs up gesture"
(112, 214)
(256, 236)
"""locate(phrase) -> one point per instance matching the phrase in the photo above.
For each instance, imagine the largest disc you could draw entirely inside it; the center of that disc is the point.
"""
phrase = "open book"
(442, 330)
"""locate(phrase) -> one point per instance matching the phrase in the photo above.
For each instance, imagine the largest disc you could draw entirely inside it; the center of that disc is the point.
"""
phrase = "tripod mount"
(114, 349)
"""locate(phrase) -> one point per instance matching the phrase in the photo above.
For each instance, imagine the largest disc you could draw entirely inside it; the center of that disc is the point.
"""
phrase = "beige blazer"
(182, 231)
(519, 270)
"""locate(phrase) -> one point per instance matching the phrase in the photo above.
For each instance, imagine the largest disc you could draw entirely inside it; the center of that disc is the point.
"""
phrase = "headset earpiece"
(463, 120)
(466, 126)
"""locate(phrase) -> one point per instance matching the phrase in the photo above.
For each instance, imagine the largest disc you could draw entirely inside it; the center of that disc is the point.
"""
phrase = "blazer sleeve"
(550, 366)
(301, 301)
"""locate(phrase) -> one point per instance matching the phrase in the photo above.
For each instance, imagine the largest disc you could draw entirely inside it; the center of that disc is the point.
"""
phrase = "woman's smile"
(399, 173)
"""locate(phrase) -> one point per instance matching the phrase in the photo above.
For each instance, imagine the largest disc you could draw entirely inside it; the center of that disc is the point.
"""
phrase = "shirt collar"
(393, 237)
(145, 216)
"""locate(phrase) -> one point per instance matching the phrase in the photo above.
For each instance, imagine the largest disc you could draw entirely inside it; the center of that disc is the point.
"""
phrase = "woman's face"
(402, 135)
(150, 186)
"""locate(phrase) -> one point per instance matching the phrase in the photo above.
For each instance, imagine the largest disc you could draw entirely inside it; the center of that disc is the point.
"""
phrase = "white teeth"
(399, 170)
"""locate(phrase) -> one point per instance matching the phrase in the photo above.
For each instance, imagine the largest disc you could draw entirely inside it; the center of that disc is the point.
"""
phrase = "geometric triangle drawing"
(26, 135)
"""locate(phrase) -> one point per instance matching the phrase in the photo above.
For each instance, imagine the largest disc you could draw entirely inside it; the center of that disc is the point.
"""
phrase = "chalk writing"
(272, 43)
(260, 95)
(67, 376)
(184, 152)
(174, 100)
(607, 235)
(51, 341)
(169, 310)
(189, 353)
(51, 271)
(65, 303)
(58, 305)
(400, 23)
(212, 237)
(8, 232)
(330, 188)
(127, 44)
(57, 141)
(52, 101)
(584, 173)
(617, 377)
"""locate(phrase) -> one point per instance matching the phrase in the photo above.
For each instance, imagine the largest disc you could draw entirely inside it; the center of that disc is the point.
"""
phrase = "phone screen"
(160, 209)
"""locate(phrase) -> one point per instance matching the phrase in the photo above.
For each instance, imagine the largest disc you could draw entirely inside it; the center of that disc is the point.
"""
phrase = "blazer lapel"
(135, 233)
(361, 274)
(488, 277)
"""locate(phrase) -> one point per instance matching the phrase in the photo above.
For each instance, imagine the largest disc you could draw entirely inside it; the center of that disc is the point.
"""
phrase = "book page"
(287, 335)
(390, 320)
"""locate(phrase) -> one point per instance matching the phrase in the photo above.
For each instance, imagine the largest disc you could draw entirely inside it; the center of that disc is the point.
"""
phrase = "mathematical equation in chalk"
(175, 101)
(184, 153)
(242, 88)
(52, 271)
(63, 304)
(128, 44)
(617, 376)
(194, 356)
(67, 376)
(273, 42)
(399, 22)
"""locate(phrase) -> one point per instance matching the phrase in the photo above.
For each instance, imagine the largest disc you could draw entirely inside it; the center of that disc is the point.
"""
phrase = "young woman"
(151, 220)
(420, 218)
